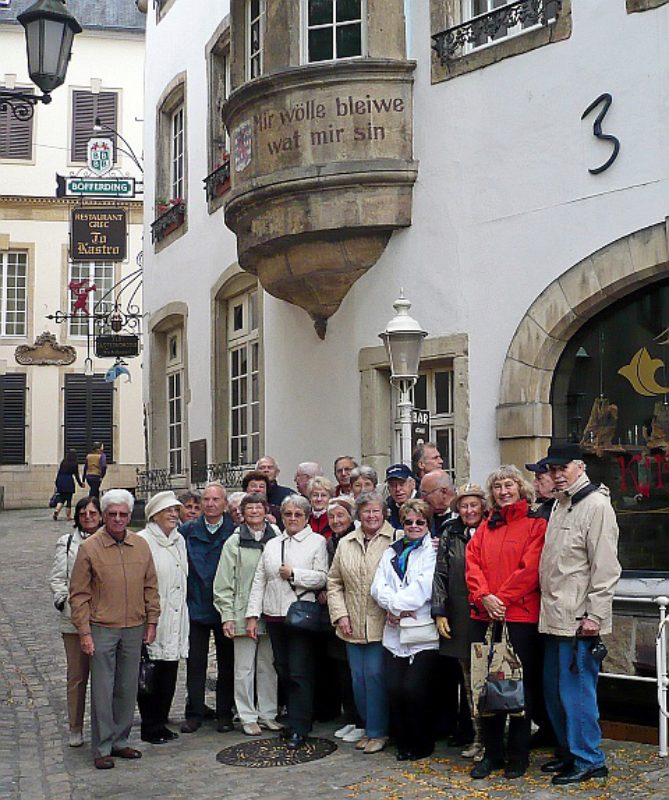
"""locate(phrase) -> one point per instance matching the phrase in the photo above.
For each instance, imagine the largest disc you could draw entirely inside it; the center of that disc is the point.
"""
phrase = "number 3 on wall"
(606, 99)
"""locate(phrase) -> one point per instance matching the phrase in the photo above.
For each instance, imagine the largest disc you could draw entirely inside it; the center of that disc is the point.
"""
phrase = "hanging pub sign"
(100, 155)
(420, 427)
(98, 234)
(116, 346)
(75, 186)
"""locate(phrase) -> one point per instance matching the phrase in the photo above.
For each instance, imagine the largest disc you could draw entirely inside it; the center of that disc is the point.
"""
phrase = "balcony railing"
(150, 481)
(168, 221)
(229, 474)
(480, 30)
(217, 182)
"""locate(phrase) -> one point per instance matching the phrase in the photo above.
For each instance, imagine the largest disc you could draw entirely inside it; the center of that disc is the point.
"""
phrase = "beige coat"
(350, 580)
(306, 553)
(579, 566)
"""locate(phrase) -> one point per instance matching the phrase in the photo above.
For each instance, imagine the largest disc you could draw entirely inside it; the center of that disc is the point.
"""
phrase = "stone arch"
(524, 414)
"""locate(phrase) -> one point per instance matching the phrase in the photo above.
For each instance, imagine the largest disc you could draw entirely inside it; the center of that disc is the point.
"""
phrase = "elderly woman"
(87, 519)
(191, 506)
(293, 566)
(502, 573)
(319, 493)
(255, 675)
(359, 619)
(450, 602)
(115, 607)
(234, 506)
(402, 587)
(363, 479)
(168, 549)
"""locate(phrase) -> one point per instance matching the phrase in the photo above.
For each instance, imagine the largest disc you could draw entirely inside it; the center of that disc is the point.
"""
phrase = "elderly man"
(401, 487)
(115, 607)
(304, 473)
(437, 490)
(276, 493)
(543, 488)
(426, 458)
(343, 466)
(578, 573)
(205, 537)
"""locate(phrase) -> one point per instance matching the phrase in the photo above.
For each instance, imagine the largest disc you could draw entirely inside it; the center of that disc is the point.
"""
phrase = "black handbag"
(306, 615)
(147, 674)
(503, 691)
(53, 500)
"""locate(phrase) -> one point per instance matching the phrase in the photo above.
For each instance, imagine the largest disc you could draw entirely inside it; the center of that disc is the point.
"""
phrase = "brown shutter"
(86, 107)
(16, 136)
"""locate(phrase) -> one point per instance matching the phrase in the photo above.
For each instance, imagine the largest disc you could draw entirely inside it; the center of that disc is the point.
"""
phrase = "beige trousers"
(254, 676)
(78, 667)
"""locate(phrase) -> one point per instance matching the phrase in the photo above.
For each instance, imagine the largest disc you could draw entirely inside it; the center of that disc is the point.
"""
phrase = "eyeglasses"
(290, 514)
(121, 514)
(423, 493)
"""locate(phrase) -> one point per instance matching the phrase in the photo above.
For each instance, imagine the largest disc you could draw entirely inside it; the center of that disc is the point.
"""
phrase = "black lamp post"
(50, 29)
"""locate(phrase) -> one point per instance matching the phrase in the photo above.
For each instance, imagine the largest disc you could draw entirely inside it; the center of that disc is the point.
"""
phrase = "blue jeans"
(369, 686)
(571, 699)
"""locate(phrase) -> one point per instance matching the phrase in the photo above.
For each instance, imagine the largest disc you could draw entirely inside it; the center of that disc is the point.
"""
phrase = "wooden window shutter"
(86, 107)
(89, 414)
(16, 136)
(13, 419)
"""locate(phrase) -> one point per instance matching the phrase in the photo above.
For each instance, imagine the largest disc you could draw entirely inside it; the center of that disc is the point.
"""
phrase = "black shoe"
(168, 734)
(225, 725)
(420, 754)
(209, 713)
(515, 769)
(295, 741)
(154, 738)
(558, 765)
(485, 767)
(580, 775)
(402, 755)
(190, 725)
(285, 733)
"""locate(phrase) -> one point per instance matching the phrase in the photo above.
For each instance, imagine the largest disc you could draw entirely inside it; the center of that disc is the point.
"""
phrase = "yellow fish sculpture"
(640, 372)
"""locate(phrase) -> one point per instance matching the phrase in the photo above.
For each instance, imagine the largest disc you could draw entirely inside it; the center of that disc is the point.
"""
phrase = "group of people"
(402, 582)
(95, 467)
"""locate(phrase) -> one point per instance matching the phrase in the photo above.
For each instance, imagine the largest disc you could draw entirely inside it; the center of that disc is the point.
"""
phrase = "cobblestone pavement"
(37, 764)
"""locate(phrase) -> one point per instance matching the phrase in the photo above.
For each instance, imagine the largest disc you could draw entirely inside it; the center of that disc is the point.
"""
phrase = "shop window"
(244, 377)
(12, 418)
(610, 394)
(86, 108)
(16, 135)
(89, 414)
(13, 293)
(333, 29)
(255, 37)
(433, 393)
(84, 275)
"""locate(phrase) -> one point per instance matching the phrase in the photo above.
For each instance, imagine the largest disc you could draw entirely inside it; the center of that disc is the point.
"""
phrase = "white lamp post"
(403, 338)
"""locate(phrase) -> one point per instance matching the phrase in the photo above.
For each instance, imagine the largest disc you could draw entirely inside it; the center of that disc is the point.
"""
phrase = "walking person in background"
(68, 472)
(87, 519)
(95, 468)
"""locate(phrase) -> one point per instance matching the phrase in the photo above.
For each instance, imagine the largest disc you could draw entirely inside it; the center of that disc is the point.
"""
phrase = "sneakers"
(270, 724)
(375, 744)
(76, 738)
(251, 729)
(339, 734)
(354, 736)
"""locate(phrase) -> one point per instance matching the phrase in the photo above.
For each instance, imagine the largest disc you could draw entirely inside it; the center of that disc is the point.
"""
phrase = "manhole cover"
(273, 753)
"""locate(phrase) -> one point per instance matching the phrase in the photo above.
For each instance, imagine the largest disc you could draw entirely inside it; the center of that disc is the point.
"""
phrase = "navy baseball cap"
(540, 468)
(399, 471)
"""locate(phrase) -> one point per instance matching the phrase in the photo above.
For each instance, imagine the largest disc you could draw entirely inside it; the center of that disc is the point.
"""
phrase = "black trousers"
(453, 715)
(411, 685)
(94, 482)
(154, 709)
(294, 662)
(327, 696)
(196, 670)
(524, 637)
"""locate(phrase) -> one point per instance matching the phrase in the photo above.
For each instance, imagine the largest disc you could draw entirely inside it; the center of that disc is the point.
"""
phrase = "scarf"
(401, 560)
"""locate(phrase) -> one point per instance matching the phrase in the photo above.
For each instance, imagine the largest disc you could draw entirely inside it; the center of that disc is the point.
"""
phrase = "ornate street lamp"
(50, 29)
(403, 338)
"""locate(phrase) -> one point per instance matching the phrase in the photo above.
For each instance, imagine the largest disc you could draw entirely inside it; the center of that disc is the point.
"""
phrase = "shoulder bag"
(501, 691)
(414, 631)
(306, 615)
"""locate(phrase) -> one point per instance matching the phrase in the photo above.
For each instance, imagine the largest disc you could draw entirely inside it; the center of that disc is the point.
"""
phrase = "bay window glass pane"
(348, 10)
(349, 41)
(320, 12)
(320, 44)
(443, 390)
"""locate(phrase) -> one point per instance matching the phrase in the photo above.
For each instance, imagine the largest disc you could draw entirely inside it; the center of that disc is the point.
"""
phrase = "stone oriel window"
(333, 29)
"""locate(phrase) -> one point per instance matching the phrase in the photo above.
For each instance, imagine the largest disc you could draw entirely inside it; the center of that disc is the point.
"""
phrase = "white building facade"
(443, 147)
(49, 404)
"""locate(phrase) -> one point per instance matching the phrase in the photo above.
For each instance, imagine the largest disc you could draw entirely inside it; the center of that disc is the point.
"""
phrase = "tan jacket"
(113, 585)
(579, 566)
(350, 580)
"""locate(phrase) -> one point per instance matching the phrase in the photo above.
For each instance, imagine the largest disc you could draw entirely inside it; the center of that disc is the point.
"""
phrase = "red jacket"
(502, 558)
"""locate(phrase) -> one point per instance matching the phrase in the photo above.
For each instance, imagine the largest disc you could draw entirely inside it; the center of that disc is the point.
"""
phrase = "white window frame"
(19, 324)
(305, 28)
(255, 59)
(244, 445)
(467, 10)
(177, 151)
(175, 424)
(103, 275)
(442, 424)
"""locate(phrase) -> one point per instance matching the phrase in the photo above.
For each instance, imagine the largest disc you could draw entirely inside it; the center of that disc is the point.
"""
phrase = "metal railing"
(481, 29)
(228, 473)
(152, 480)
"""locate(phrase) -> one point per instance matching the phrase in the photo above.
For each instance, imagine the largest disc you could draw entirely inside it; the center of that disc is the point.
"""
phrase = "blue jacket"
(204, 553)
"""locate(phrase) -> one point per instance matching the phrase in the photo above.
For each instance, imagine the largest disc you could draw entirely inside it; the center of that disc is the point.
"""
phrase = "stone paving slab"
(37, 764)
